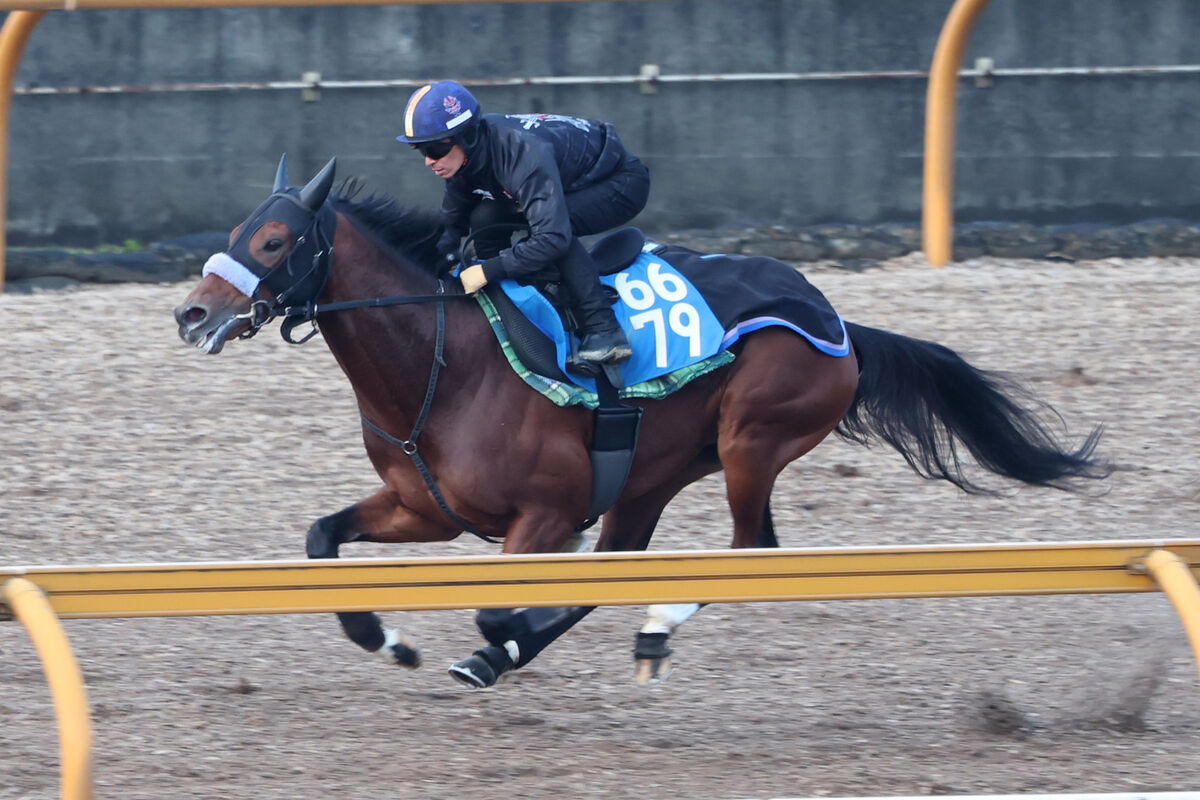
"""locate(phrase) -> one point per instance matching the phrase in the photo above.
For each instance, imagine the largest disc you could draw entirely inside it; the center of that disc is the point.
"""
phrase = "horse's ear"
(281, 180)
(314, 194)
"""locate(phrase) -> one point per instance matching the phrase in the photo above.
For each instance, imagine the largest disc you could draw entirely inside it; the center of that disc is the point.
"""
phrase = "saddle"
(615, 425)
(534, 349)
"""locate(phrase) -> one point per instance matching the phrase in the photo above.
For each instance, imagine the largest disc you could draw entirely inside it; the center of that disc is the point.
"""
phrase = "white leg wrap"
(578, 543)
(666, 618)
(513, 651)
(390, 637)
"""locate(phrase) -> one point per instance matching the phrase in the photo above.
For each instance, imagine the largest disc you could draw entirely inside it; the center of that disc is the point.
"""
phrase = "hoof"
(653, 659)
(473, 672)
(482, 668)
(399, 650)
(653, 670)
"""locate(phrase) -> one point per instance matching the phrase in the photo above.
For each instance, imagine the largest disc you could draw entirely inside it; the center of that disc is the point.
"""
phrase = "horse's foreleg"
(516, 637)
(377, 518)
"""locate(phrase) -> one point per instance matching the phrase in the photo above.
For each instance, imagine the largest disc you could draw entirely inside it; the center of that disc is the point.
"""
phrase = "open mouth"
(213, 342)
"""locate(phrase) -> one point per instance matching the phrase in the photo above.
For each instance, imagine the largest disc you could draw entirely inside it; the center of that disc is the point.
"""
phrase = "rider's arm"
(531, 176)
(455, 215)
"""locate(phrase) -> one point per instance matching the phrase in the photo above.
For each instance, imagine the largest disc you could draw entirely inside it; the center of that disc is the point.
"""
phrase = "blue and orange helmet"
(437, 111)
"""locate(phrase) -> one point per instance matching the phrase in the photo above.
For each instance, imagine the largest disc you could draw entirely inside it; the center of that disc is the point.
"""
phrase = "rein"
(316, 240)
(295, 315)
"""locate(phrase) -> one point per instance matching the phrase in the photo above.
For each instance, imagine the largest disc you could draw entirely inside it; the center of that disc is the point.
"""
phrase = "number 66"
(640, 295)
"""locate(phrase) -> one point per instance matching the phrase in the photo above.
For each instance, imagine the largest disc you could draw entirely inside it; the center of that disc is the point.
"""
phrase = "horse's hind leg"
(768, 420)
(629, 526)
(652, 651)
(784, 402)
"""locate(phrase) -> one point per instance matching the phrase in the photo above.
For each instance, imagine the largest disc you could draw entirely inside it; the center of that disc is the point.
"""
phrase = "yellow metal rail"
(293, 587)
(937, 205)
(29, 605)
(13, 37)
(1174, 576)
(290, 587)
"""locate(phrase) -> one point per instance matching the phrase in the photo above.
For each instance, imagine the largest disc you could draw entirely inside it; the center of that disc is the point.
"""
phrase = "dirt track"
(122, 445)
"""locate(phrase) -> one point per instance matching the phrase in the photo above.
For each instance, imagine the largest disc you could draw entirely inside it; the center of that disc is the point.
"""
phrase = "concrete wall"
(106, 167)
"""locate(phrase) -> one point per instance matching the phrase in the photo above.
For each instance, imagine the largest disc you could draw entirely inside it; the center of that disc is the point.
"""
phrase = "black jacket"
(534, 161)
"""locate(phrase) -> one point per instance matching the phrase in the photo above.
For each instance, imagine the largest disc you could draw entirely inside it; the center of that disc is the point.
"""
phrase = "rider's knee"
(489, 243)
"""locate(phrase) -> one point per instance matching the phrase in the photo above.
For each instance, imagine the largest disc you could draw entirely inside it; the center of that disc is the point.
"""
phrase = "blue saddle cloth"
(679, 308)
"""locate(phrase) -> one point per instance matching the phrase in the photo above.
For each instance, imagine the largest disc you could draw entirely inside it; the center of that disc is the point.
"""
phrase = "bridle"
(299, 280)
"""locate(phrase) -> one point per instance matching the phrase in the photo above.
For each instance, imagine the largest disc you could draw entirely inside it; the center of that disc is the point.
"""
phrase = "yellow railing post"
(30, 606)
(1173, 576)
(937, 206)
(13, 37)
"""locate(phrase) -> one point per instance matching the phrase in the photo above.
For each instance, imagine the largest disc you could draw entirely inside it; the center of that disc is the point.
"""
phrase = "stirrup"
(590, 369)
(614, 354)
(594, 369)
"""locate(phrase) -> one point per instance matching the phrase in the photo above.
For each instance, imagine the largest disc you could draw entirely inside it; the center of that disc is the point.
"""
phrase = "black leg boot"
(603, 341)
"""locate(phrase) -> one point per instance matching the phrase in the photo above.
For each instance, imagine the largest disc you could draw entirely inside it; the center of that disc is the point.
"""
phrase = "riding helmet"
(439, 110)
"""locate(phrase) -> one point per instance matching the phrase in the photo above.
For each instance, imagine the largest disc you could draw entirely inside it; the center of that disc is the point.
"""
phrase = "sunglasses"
(434, 150)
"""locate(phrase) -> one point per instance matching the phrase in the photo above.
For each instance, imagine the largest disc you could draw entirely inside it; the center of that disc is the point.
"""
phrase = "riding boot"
(602, 339)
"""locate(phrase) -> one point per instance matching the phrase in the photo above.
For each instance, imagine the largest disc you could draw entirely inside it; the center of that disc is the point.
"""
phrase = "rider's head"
(440, 121)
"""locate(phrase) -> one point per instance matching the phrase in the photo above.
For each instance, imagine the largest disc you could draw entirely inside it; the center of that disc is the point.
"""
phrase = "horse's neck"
(387, 353)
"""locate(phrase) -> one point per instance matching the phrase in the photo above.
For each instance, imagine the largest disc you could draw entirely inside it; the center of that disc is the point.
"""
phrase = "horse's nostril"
(190, 315)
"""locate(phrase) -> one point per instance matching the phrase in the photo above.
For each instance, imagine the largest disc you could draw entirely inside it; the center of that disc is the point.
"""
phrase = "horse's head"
(278, 256)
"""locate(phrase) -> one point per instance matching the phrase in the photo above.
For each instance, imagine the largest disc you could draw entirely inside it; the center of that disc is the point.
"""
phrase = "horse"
(473, 448)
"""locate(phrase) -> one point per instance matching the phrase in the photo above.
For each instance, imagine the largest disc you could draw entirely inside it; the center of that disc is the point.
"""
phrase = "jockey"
(564, 177)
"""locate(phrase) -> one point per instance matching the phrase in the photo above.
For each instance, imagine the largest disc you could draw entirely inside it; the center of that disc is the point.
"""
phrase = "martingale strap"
(409, 445)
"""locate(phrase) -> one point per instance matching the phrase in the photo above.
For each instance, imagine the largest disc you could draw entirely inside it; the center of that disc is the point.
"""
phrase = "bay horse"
(472, 447)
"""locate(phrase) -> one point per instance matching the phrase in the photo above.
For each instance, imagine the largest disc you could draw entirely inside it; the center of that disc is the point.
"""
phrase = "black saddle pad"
(613, 253)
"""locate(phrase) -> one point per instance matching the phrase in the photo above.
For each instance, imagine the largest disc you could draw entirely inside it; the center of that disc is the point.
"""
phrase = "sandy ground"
(120, 444)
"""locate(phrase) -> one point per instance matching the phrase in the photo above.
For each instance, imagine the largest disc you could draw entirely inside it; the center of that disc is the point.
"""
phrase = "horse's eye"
(272, 244)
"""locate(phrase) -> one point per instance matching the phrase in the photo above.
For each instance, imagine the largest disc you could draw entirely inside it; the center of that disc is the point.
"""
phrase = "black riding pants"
(600, 207)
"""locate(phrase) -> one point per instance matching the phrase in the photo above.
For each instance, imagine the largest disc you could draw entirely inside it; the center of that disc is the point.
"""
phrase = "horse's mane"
(413, 232)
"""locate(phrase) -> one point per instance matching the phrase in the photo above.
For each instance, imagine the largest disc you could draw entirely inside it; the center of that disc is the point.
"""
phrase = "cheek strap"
(232, 272)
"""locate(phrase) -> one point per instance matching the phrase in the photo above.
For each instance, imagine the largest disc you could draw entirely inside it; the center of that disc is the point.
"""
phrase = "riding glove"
(473, 278)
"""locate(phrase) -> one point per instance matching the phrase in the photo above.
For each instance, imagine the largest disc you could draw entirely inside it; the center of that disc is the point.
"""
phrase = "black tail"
(927, 402)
